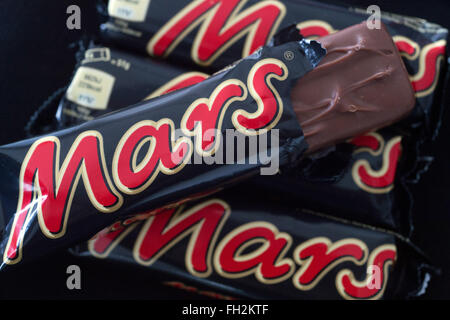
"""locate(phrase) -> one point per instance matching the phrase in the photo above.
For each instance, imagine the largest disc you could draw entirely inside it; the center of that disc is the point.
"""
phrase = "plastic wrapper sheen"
(233, 245)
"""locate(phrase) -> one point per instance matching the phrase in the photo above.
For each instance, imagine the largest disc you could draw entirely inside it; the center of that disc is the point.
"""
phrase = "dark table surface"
(37, 56)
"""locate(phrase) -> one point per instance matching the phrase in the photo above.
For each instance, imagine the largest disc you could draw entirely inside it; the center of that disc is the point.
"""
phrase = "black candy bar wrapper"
(61, 188)
(233, 245)
(212, 34)
(360, 179)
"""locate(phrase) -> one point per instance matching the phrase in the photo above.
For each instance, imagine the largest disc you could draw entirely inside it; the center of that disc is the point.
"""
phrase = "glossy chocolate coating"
(359, 86)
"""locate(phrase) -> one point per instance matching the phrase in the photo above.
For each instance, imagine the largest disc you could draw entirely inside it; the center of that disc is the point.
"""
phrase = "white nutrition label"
(91, 88)
(130, 10)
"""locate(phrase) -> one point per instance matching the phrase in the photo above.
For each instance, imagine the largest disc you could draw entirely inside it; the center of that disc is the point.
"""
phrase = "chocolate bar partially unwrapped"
(214, 33)
(61, 188)
(371, 186)
(338, 100)
(252, 97)
(340, 175)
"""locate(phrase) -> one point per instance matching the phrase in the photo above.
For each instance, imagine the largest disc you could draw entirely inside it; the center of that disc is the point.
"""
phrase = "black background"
(37, 56)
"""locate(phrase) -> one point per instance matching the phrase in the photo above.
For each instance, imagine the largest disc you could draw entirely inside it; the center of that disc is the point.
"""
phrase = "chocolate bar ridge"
(359, 86)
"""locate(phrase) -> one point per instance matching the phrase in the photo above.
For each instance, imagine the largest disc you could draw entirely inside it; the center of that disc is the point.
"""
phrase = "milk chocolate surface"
(359, 86)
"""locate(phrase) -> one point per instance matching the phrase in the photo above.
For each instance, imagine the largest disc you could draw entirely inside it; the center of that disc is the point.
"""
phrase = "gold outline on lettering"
(356, 283)
(281, 259)
(160, 167)
(197, 132)
(375, 173)
(195, 229)
(205, 20)
(305, 263)
(258, 100)
(59, 174)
